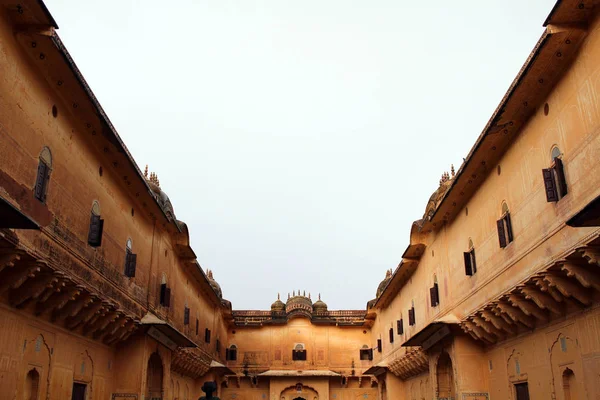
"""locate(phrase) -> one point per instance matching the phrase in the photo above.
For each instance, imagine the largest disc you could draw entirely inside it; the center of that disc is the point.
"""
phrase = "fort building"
(496, 296)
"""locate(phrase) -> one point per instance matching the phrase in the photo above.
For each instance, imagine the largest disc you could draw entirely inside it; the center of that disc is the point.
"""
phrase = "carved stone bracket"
(191, 362)
(35, 285)
(414, 362)
(563, 286)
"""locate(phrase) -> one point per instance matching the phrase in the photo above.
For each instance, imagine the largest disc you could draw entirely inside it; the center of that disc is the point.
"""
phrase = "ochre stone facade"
(496, 296)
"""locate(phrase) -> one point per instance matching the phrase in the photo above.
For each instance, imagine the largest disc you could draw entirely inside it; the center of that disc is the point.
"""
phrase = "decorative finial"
(309, 296)
(445, 178)
(319, 296)
(278, 296)
(452, 170)
(294, 293)
(288, 295)
(146, 172)
(154, 179)
(304, 293)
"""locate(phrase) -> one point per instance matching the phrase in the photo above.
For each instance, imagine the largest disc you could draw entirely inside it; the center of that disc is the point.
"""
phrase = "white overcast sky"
(299, 139)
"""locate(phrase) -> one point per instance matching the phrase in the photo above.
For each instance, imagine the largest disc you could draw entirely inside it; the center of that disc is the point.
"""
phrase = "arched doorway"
(569, 385)
(299, 392)
(154, 377)
(445, 377)
(32, 384)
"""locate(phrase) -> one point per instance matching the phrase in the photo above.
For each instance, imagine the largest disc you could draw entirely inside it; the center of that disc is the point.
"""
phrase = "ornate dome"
(300, 305)
(161, 197)
(319, 305)
(438, 195)
(278, 305)
(216, 287)
(166, 205)
(383, 284)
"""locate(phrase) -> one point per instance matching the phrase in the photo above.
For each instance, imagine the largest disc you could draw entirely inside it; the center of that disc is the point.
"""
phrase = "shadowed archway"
(154, 377)
(445, 377)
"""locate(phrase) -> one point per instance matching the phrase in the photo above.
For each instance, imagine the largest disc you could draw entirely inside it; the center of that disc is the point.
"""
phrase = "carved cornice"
(38, 286)
(191, 362)
(412, 363)
(564, 286)
(260, 317)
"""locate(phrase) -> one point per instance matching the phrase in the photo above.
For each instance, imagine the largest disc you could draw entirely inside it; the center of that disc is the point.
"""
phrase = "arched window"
(43, 175)
(96, 226)
(470, 264)
(434, 293)
(555, 153)
(299, 352)
(231, 353)
(130, 260)
(366, 353)
(411, 314)
(555, 182)
(400, 325)
(165, 292)
(505, 235)
(32, 385)
(186, 315)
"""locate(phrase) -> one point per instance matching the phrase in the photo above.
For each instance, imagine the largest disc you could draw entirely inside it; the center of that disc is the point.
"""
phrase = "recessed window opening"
(434, 293)
(366, 353)
(469, 257)
(504, 226)
(299, 352)
(231, 353)
(555, 182)
(165, 292)
(130, 260)
(43, 175)
(186, 315)
(411, 314)
(96, 226)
